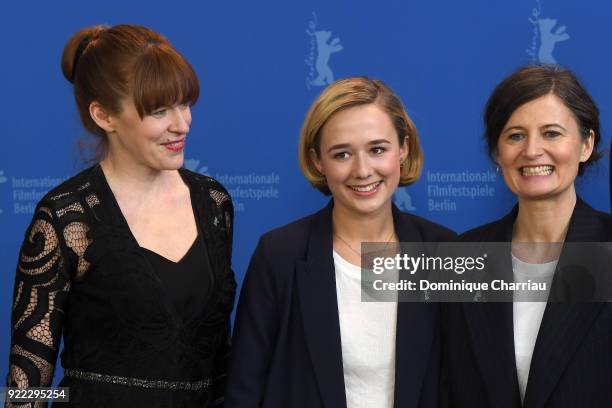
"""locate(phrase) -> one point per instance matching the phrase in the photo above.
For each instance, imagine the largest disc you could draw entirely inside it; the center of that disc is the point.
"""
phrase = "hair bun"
(75, 47)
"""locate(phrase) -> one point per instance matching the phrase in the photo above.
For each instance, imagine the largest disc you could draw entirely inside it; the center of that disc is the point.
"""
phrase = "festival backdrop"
(261, 63)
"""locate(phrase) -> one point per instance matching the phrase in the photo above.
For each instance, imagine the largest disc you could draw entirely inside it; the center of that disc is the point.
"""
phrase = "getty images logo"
(545, 36)
(321, 49)
(2, 181)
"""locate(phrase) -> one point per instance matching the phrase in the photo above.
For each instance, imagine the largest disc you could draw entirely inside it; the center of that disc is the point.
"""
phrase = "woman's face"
(157, 140)
(540, 148)
(360, 157)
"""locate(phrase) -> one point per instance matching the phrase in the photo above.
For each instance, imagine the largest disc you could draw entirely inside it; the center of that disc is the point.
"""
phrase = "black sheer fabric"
(81, 272)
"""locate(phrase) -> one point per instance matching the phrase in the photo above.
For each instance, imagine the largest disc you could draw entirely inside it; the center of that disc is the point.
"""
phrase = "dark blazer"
(572, 359)
(286, 345)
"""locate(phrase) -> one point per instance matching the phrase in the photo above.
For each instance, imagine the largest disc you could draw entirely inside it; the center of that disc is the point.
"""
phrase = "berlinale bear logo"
(549, 38)
(193, 165)
(545, 36)
(402, 199)
(324, 47)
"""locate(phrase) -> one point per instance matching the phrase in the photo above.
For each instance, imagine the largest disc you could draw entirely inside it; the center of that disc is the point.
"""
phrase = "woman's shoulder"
(606, 221)
(279, 249)
(72, 193)
(204, 181)
(429, 230)
(65, 213)
(289, 237)
(484, 232)
(497, 230)
(590, 224)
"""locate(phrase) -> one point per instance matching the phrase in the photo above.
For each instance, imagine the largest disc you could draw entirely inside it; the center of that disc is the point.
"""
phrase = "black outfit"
(137, 331)
(572, 359)
(286, 345)
(188, 281)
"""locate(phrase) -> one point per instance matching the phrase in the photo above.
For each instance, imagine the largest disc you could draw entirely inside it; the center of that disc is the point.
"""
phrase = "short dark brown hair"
(109, 64)
(347, 93)
(534, 81)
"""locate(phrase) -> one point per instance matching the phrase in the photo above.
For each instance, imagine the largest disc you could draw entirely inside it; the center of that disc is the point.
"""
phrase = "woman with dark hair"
(129, 259)
(542, 129)
(303, 337)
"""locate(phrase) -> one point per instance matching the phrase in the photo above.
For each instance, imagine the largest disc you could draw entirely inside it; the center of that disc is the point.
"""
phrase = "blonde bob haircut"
(347, 93)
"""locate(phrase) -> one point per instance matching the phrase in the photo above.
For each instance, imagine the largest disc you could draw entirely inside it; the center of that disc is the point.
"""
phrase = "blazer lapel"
(492, 333)
(316, 282)
(493, 340)
(562, 329)
(564, 325)
(417, 324)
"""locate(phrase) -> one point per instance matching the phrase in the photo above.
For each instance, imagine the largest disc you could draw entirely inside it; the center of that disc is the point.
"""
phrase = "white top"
(367, 332)
(527, 316)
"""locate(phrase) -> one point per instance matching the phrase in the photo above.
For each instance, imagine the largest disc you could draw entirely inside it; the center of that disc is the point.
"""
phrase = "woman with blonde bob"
(302, 336)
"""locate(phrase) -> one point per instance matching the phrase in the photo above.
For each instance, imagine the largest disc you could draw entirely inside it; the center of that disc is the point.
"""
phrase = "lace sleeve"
(41, 287)
(224, 204)
(226, 210)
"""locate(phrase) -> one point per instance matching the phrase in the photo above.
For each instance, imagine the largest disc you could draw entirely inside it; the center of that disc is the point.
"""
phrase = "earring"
(497, 169)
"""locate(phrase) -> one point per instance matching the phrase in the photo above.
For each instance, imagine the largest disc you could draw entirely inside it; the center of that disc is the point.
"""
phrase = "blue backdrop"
(262, 63)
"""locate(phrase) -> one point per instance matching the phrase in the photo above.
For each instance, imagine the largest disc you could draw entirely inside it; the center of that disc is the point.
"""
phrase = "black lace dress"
(126, 342)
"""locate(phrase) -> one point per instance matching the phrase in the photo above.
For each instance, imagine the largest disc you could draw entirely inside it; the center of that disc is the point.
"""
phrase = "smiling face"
(540, 147)
(155, 141)
(360, 157)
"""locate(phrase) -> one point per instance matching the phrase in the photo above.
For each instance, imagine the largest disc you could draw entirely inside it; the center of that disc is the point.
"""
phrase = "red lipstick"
(175, 146)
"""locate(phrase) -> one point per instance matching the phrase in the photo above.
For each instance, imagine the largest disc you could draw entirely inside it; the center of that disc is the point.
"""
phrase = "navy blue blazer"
(572, 359)
(286, 348)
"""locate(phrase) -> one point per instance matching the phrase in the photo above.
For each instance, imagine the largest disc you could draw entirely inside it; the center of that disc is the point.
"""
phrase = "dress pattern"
(81, 274)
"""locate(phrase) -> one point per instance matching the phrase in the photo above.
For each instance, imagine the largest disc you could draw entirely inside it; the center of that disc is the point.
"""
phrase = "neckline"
(351, 270)
(338, 258)
(546, 269)
(170, 261)
(123, 220)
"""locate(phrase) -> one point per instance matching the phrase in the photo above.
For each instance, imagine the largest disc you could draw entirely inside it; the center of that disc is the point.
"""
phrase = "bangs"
(163, 78)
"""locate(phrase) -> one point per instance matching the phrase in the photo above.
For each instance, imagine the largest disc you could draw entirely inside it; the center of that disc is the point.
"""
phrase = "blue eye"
(515, 137)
